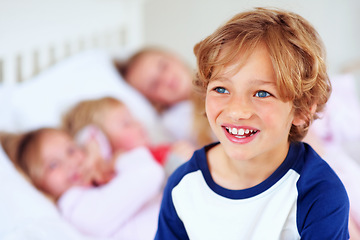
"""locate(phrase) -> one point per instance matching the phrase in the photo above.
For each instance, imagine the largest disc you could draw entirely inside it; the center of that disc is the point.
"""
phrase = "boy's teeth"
(239, 131)
(234, 131)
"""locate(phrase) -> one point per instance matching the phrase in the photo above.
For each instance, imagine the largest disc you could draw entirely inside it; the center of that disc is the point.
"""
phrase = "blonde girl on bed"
(166, 81)
(117, 198)
(112, 118)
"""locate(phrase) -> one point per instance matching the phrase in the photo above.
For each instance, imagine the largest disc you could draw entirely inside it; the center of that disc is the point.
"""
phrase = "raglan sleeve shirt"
(318, 202)
(323, 204)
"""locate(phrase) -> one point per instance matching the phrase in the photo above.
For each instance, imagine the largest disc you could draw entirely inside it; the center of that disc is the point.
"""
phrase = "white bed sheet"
(24, 212)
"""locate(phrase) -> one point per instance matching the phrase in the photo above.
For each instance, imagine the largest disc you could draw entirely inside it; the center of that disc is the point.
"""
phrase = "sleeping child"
(166, 81)
(111, 117)
(116, 198)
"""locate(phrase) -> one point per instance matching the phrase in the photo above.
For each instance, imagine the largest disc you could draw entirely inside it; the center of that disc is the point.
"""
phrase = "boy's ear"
(299, 120)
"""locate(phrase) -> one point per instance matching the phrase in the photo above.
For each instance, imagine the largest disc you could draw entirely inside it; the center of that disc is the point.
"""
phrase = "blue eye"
(221, 90)
(262, 94)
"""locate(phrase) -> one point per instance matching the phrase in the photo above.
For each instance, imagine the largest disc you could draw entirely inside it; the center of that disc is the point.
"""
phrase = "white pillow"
(41, 101)
(25, 212)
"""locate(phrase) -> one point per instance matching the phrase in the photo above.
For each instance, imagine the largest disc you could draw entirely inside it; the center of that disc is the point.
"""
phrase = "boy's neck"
(238, 175)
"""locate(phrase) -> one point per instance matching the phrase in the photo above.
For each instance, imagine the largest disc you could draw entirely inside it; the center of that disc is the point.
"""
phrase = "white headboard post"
(42, 32)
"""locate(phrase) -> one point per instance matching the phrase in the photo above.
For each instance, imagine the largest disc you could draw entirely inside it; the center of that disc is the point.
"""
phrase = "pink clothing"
(338, 128)
(91, 131)
(125, 208)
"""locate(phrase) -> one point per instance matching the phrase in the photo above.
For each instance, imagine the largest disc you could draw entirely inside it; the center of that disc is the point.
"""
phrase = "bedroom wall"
(32, 22)
(28, 25)
(179, 24)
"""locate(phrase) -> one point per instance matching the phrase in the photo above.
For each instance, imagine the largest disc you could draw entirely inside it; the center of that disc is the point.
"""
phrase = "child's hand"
(92, 149)
(97, 171)
(183, 149)
(102, 173)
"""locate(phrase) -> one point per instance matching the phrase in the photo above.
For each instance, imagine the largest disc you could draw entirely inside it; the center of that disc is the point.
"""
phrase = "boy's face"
(245, 111)
(62, 163)
(123, 130)
(162, 78)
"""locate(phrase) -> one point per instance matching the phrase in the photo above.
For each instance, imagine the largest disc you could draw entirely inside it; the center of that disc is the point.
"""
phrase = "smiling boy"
(264, 78)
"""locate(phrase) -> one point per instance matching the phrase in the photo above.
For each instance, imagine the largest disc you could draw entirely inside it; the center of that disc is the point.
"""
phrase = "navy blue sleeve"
(170, 225)
(323, 205)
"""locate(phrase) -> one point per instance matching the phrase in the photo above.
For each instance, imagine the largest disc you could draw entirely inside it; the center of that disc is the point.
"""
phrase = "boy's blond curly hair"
(296, 51)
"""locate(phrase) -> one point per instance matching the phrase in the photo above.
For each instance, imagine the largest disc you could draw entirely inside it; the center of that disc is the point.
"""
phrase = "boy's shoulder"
(322, 198)
(315, 171)
(197, 162)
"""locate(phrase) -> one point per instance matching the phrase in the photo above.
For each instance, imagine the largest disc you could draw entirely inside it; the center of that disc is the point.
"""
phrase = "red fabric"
(160, 153)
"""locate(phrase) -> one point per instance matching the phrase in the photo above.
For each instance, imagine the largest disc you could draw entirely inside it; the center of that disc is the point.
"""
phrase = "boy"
(264, 78)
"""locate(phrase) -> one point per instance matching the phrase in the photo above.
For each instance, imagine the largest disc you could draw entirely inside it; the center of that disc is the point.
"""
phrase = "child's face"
(162, 78)
(123, 130)
(62, 163)
(245, 110)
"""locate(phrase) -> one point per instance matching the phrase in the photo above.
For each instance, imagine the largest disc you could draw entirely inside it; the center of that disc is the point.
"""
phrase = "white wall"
(180, 24)
(33, 22)
(174, 24)
(28, 25)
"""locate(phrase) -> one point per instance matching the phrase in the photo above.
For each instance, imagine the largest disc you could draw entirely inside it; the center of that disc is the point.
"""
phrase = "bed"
(38, 84)
(40, 101)
(40, 81)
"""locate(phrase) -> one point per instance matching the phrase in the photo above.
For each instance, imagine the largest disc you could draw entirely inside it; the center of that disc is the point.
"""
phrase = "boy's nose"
(239, 108)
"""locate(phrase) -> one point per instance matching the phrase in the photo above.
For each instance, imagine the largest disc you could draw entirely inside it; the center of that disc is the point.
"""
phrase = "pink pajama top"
(125, 208)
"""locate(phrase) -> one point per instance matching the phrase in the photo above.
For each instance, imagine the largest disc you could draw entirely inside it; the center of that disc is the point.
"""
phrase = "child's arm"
(98, 170)
(103, 210)
(323, 205)
(181, 150)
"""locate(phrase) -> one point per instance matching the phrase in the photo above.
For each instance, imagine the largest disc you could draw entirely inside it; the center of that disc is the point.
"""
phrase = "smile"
(241, 132)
